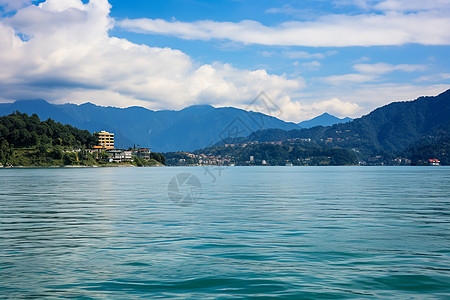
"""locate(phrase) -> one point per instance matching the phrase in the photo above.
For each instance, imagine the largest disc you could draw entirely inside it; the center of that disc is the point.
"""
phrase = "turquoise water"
(252, 232)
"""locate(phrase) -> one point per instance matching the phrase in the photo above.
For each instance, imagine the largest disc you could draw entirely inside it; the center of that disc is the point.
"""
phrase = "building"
(105, 139)
(118, 155)
(434, 162)
(142, 153)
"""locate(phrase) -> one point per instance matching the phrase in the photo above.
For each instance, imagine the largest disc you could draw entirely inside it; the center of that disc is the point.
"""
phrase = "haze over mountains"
(324, 119)
(389, 129)
(386, 131)
(189, 129)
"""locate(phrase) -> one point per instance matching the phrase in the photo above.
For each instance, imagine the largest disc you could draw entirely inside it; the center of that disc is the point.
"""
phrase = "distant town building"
(141, 153)
(118, 155)
(115, 155)
(105, 139)
(434, 162)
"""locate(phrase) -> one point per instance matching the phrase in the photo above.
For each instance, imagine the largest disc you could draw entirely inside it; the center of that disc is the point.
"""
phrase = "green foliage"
(159, 157)
(430, 148)
(70, 158)
(387, 131)
(179, 158)
(26, 141)
(275, 154)
(142, 162)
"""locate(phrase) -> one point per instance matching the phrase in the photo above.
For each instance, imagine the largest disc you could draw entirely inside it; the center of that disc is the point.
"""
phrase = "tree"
(159, 157)
(70, 158)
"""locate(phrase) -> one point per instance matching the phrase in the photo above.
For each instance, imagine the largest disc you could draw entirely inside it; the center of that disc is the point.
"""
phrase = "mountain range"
(391, 129)
(191, 128)
(324, 119)
(386, 130)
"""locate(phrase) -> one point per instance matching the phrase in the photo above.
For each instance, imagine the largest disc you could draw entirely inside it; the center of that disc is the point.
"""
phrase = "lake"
(231, 233)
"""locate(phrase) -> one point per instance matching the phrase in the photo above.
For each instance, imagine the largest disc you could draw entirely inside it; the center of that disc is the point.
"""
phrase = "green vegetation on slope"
(387, 131)
(436, 147)
(290, 152)
(28, 141)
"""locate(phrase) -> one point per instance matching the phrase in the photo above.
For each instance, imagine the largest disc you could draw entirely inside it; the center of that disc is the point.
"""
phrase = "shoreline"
(75, 166)
(156, 166)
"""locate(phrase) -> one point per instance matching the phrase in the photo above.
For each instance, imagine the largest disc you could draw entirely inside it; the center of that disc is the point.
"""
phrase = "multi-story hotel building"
(105, 139)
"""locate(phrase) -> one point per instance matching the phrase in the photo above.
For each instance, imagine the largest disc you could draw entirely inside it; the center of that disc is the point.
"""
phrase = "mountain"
(191, 128)
(324, 119)
(386, 130)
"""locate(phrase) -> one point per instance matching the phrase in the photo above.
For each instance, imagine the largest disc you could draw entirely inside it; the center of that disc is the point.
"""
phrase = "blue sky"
(345, 57)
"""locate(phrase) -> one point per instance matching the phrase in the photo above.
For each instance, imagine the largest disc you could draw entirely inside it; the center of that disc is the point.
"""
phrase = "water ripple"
(258, 233)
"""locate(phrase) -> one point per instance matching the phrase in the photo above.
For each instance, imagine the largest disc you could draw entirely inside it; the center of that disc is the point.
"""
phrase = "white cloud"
(285, 9)
(434, 77)
(369, 96)
(412, 5)
(305, 110)
(397, 5)
(308, 55)
(61, 51)
(383, 68)
(312, 65)
(68, 55)
(370, 73)
(288, 9)
(267, 53)
(335, 106)
(347, 78)
(390, 28)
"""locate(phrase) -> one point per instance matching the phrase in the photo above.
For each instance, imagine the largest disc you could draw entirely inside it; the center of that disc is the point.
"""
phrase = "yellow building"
(105, 139)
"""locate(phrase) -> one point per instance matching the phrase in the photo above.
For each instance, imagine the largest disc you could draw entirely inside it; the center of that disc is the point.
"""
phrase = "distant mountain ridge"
(386, 130)
(188, 129)
(324, 119)
(191, 128)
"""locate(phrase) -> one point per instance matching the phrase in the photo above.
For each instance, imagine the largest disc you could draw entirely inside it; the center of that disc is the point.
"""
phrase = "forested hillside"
(25, 140)
(386, 131)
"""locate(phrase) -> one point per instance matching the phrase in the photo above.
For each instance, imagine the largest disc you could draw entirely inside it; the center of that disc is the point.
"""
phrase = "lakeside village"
(233, 154)
(106, 144)
(27, 141)
(106, 152)
(282, 153)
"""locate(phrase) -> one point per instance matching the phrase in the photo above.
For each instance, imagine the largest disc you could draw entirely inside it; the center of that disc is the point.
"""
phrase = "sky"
(344, 57)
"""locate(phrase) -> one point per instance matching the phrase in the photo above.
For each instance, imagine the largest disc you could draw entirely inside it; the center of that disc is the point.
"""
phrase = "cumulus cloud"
(371, 29)
(304, 110)
(369, 96)
(61, 51)
(334, 106)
